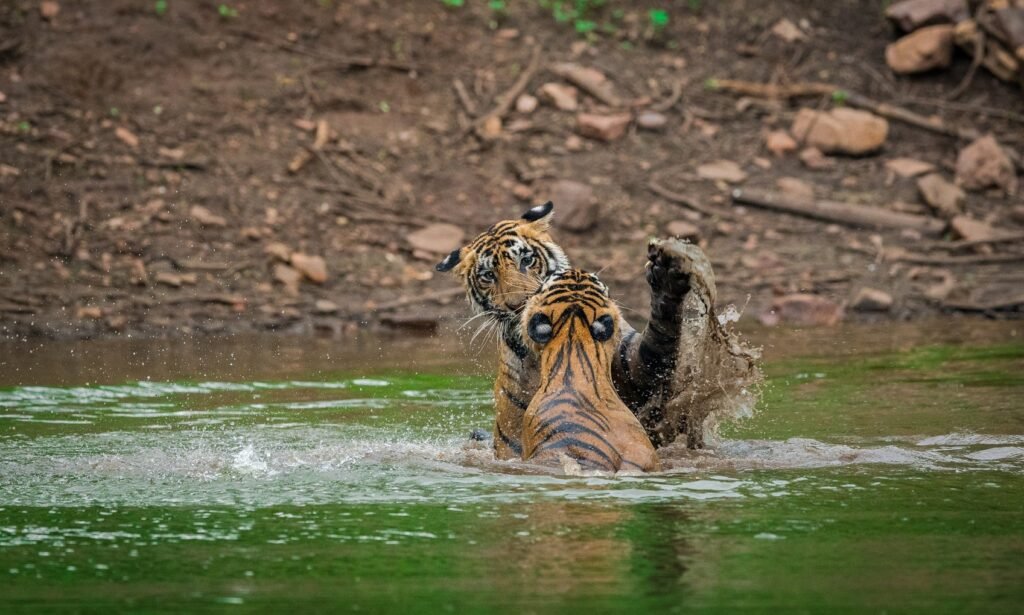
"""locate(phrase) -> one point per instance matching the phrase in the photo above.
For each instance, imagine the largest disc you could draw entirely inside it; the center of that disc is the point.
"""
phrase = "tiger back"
(574, 328)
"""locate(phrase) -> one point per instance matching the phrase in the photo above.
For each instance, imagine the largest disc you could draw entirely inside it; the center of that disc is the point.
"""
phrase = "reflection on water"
(273, 472)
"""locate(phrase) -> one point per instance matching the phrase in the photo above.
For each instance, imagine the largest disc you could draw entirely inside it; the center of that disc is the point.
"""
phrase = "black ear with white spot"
(539, 329)
(602, 328)
(541, 211)
(449, 262)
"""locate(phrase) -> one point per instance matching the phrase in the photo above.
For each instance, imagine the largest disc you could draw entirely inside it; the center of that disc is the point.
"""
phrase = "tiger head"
(571, 306)
(506, 264)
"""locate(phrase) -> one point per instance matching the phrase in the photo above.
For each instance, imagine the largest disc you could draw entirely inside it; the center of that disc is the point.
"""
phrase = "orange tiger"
(574, 328)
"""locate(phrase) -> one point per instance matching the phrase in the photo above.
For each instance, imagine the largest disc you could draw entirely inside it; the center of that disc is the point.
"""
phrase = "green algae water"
(882, 472)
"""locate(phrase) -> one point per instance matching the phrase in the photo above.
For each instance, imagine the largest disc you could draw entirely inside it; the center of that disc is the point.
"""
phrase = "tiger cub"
(575, 329)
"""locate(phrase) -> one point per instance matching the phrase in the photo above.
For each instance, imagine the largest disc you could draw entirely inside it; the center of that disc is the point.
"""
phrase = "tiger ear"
(540, 215)
(449, 261)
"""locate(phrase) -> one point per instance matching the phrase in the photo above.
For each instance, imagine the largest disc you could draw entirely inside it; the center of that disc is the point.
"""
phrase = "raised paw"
(675, 267)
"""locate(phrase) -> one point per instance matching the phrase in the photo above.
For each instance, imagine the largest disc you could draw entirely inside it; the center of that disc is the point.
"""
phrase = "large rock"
(603, 127)
(913, 14)
(984, 164)
(923, 50)
(437, 238)
(943, 196)
(842, 130)
(805, 310)
(577, 205)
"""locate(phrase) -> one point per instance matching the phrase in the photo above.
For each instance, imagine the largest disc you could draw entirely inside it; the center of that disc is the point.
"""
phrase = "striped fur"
(502, 268)
(574, 327)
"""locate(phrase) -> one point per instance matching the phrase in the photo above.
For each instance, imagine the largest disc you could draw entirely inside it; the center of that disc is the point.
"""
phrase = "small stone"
(796, 188)
(943, 196)
(842, 130)
(804, 309)
(573, 143)
(787, 31)
(871, 300)
(168, 279)
(909, 167)
(922, 50)
(323, 306)
(171, 153)
(724, 170)
(251, 232)
(526, 104)
(576, 205)
(3, 97)
(559, 95)
(492, 127)
(913, 14)
(814, 159)
(651, 120)
(304, 125)
(970, 229)
(313, 267)
(289, 277)
(126, 136)
(983, 164)
(603, 127)
(279, 251)
(48, 10)
(90, 312)
(779, 142)
(205, 217)
(522, 192)
(683, 230)
(437, 238)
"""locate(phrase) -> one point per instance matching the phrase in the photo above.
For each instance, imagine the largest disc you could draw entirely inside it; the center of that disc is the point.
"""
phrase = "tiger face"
(571, 306)
(506, 264)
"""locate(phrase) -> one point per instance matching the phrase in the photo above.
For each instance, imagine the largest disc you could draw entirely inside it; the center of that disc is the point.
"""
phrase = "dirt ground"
(158, 166)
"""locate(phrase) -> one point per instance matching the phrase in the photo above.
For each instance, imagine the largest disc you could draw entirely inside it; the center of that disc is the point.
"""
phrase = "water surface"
(884, 470)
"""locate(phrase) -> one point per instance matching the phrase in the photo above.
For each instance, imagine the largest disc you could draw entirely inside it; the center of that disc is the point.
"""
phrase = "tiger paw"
(674, 269)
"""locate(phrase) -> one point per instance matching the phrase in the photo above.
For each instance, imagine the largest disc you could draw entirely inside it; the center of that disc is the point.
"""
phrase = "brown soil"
(96, 233)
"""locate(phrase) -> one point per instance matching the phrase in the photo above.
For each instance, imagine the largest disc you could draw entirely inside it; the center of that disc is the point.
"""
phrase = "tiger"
(668, 375)
(573, 327)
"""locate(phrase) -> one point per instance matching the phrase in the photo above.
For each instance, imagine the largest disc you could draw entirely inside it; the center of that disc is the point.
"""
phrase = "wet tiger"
(501, 268)
(574, 328)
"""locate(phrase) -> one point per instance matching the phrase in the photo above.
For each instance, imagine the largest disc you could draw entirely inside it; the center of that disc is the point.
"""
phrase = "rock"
(437, 238)
(289, 277)
(577, 208)
(803, 309)
(603, 127)
(279, 251)
(48, 10)
(313, 267)
(970, 229)
(982, 164)
(168, 279)
(323, 306)
(913, 14)
(526, 104)
(89, 313)
(842, 130)
(561, 96)
(814, 159)
(796, 188)
(724, 170)
(683, 230)
(573, 143)
(922, 50)
(871, 300)
(787, 31)
(491, 128)
(941, 195)
(651, 120)
(205, 217)
(909, 167)
(779, 142)
(126, 136)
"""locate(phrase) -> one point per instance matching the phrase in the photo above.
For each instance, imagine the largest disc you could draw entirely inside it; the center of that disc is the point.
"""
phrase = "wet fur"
(576, 411)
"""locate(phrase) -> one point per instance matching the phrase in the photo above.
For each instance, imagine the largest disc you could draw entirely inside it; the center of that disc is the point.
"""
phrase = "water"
(883, 472)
